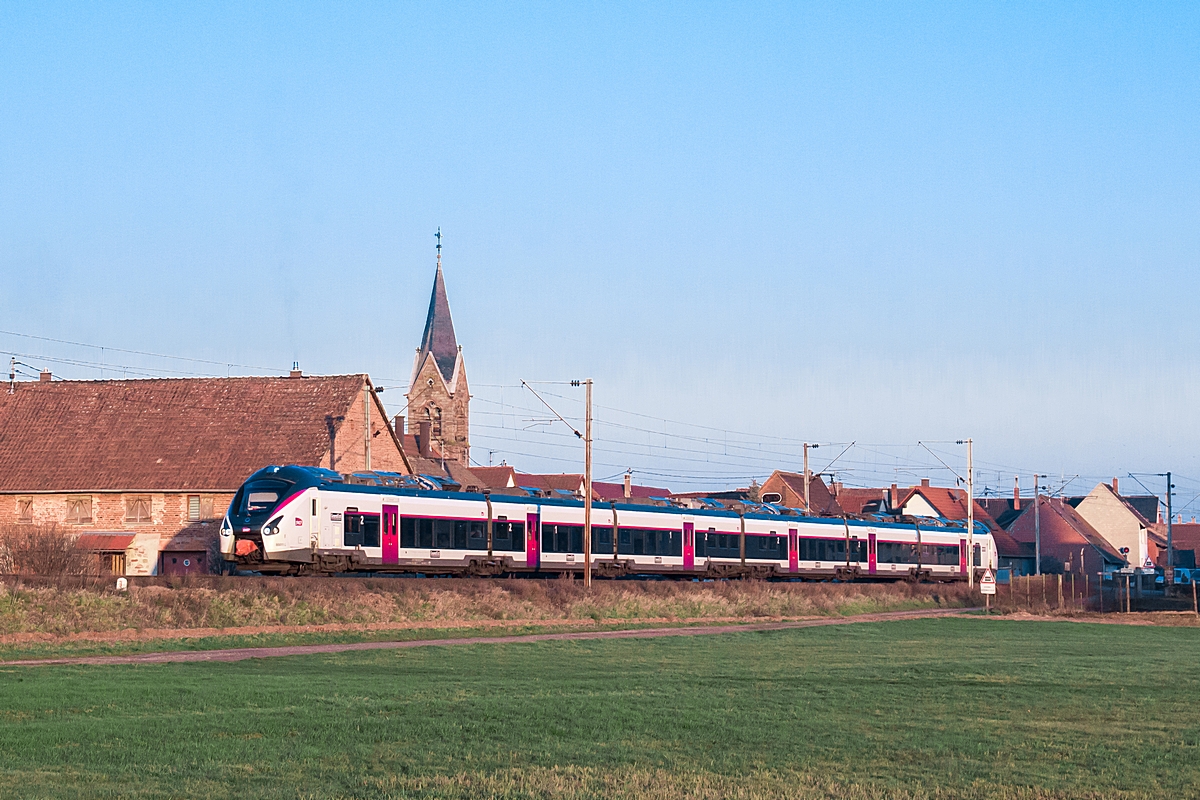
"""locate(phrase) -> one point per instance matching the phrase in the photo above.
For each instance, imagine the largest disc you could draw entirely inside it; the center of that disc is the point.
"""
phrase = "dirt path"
(243, 653)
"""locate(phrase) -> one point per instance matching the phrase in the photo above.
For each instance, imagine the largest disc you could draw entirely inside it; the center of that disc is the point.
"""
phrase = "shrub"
(45, 550)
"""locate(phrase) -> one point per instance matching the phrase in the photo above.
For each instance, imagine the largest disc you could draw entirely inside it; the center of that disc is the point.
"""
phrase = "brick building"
(438, 397)
(145, 469)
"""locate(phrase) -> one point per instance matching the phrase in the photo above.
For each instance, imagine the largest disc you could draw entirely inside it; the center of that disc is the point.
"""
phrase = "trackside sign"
(987, 584)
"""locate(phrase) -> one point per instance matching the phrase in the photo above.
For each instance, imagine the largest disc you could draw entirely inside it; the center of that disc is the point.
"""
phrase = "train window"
(978, 561)
(470, 535)
(259, 497)
(650, 542)
(443, 533)
(562, 538)
(771, 547)
(601, 539)
(896, 553)
(360, 530)
(408, 532)
(508, 536)
(942, 555)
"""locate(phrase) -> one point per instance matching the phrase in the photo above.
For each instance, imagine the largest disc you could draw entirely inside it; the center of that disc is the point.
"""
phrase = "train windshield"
(259, 497)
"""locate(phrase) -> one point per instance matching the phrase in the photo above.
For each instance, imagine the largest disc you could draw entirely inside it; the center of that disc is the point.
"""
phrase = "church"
(438, 397)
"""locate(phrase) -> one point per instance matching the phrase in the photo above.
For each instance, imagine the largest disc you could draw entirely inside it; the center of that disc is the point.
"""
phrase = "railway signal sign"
(987, 587)
(987, 584)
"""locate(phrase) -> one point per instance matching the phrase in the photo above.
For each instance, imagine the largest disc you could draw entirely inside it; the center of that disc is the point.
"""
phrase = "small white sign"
(987, 584)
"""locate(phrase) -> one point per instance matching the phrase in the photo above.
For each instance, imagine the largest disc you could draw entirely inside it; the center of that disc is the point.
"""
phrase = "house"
(865, 501)
(144, 470)
(1122, 525)
(1069, 543)
(1185, 541)
(787, 489)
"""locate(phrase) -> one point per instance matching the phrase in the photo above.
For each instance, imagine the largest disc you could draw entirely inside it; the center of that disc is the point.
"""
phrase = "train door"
(872, 562)
(314, 524)
(793, 551)
(390, 535)
(689, 545)
(962, 556)
(533, 554)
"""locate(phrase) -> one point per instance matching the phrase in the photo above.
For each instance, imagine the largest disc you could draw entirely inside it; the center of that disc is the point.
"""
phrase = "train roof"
(394, 483)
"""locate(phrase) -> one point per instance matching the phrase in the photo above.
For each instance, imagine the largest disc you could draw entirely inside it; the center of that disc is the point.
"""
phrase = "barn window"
(193, 507)
(24, 509)
(206, 508)
(137, 509)
(79, 510)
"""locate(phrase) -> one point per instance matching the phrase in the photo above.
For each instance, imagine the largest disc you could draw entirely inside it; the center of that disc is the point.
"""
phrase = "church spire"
(439, 328)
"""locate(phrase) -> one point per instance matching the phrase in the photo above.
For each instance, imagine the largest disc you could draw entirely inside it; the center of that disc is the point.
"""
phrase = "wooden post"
(1044, 589)
(1060, 596)
(1195, 608)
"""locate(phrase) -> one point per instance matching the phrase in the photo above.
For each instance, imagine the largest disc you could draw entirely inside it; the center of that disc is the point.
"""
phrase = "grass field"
(927, 708)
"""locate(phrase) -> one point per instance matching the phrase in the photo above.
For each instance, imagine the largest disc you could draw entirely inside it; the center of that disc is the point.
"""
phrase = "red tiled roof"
(164, 434)
(566, 482)
(104, 542)
(950, 503)
(500, 477)
(615, 492)
(853, 500)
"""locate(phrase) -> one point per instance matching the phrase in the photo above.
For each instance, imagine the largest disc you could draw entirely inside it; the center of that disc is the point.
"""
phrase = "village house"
(1069, 543)
(787, 489)
(1122, 525)
(143, 470)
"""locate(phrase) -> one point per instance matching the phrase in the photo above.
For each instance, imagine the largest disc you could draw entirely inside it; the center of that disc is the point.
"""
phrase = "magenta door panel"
(871, 553)
(533, 554)
(390, 535)
(962, 556)
(689, 545)
(793, 551)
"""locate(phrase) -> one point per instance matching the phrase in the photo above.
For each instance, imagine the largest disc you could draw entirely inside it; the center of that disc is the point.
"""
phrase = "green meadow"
(922, 708)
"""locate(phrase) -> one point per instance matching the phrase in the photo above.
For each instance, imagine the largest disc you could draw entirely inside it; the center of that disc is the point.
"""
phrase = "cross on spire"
(438, 236)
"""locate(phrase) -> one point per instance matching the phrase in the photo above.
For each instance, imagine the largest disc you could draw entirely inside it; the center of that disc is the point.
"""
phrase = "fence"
(1073, 593)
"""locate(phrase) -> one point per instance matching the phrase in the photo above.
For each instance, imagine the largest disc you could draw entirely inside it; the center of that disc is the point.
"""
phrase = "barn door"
(391, 537)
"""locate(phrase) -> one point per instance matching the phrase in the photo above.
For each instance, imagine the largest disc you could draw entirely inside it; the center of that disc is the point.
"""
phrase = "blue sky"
(873, 223)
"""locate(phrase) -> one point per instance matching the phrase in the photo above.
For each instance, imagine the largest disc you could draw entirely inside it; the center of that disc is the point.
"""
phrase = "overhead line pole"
(587, 483)
(1037, 528)
(971, 512)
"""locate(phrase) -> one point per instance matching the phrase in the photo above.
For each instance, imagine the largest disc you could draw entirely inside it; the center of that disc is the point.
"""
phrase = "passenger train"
(295, 520)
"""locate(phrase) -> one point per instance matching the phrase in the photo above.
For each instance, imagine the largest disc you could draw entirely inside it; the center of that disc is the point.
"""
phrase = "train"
(300, 520)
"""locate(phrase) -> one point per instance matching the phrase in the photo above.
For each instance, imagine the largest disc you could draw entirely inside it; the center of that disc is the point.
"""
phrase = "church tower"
(438, 394)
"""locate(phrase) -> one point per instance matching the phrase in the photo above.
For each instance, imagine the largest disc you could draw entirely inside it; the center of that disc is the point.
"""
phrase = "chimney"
(44, 377)
(628, 487)
(295, 373)
(837, 488)
(1016, 493)
(423, 444)
(925, 482)
(398, 424)
(1116, 490)
(895, 500)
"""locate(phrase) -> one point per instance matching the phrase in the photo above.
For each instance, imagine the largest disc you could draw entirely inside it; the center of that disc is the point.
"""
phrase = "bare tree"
(45, 550)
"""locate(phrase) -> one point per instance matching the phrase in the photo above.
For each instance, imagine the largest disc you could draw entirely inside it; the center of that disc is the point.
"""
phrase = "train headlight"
(272, 527)
(226, 528)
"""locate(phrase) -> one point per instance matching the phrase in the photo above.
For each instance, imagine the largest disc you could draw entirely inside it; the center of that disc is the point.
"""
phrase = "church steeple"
(438, 397)
(439, 327)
